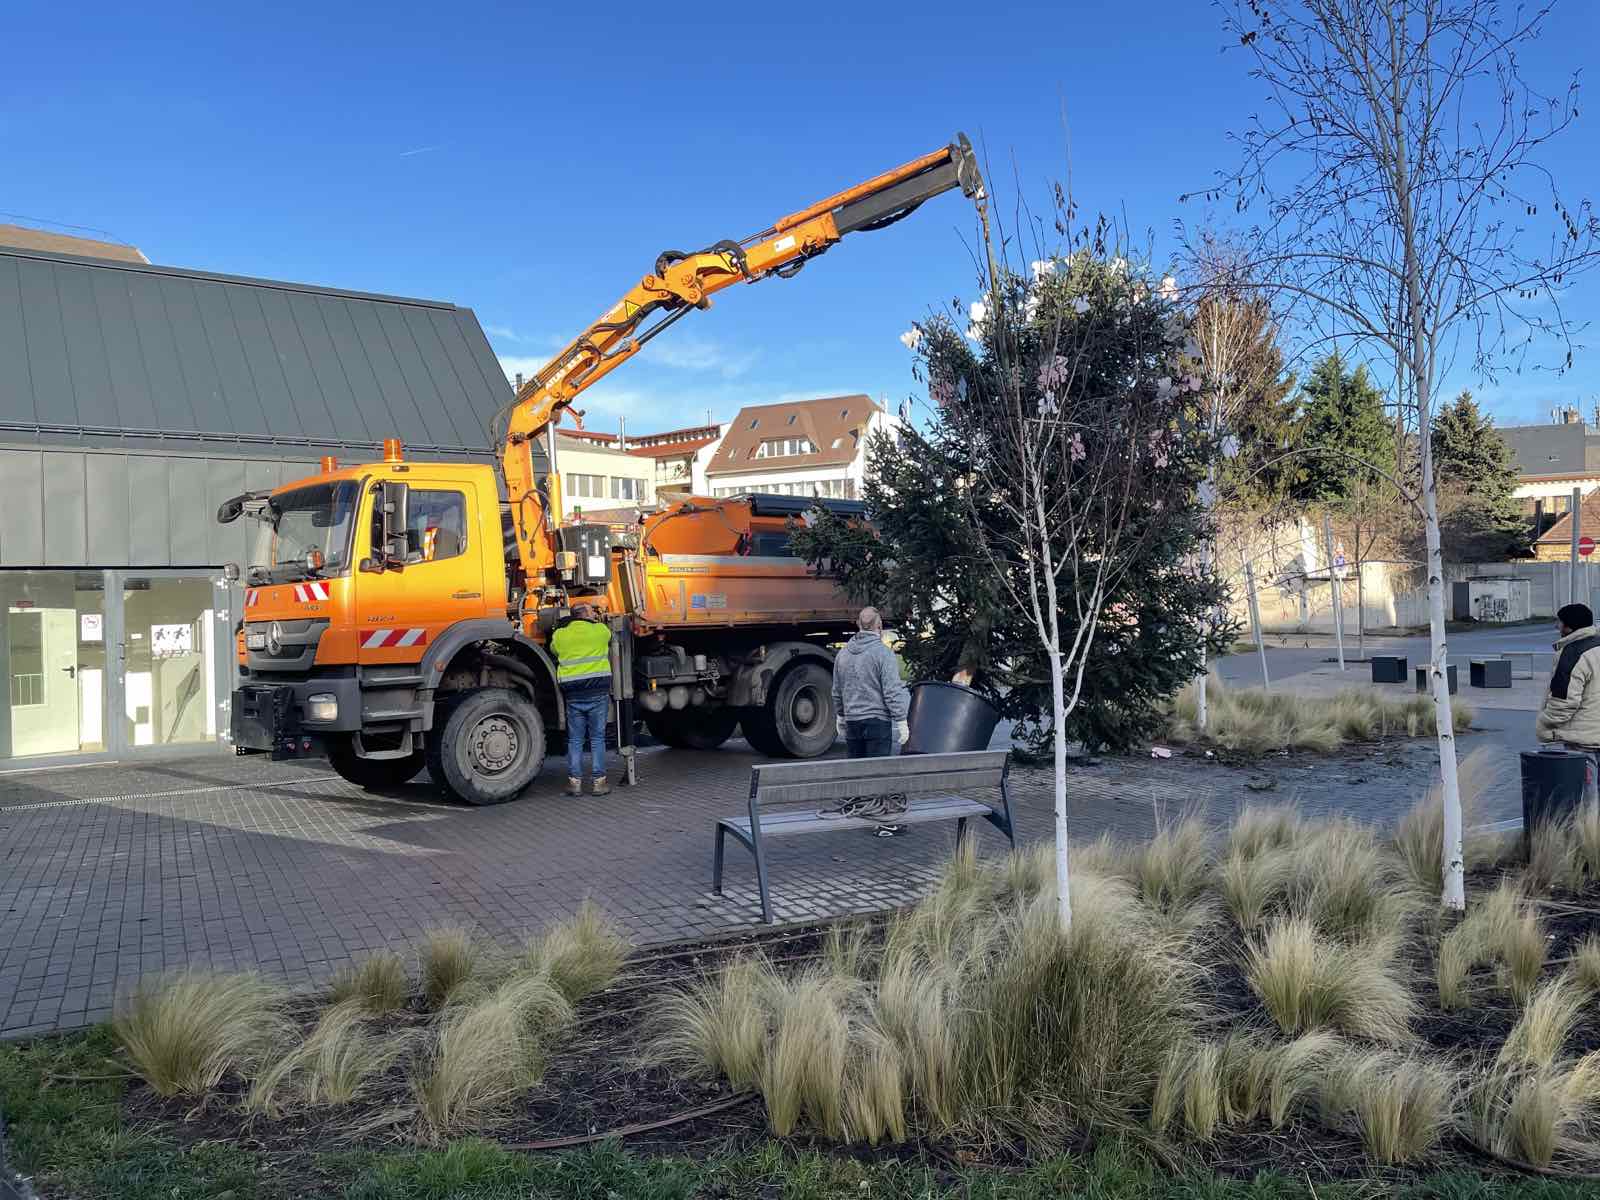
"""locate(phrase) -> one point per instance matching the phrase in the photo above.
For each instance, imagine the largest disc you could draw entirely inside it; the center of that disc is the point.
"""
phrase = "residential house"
(1555, 545)
(1552, 460)
(803, 448)
(596, 476)
(679, 456)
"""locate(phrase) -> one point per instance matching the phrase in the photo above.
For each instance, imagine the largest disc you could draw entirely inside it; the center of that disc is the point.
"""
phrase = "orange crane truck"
(397, 614)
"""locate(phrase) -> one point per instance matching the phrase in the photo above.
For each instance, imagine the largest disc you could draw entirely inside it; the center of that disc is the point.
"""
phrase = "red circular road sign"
(1586, 546)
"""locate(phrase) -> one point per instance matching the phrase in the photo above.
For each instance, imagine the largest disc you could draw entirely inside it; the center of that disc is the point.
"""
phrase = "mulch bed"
(596, 1082)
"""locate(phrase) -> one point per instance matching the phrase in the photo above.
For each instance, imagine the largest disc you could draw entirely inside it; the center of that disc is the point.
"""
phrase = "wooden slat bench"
(932, 784)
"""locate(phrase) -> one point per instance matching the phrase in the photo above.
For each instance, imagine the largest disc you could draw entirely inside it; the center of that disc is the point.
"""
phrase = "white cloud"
(521, 364)
(698, 354)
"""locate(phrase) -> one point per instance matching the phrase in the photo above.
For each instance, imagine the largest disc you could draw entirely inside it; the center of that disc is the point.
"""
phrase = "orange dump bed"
(727, 562)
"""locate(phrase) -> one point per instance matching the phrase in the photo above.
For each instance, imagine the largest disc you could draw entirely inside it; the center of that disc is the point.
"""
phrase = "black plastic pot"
(1552, 787)
(947, 718)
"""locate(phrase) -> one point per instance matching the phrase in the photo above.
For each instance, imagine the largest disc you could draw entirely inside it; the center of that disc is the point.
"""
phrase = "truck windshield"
(292, 524)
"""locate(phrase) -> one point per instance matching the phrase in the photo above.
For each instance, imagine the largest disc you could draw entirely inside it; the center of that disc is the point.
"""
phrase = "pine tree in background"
(1479, 517)
(1342, 426)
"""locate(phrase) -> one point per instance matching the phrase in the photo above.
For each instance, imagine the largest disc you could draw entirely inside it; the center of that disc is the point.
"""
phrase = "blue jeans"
(586, 714)
(872, 738)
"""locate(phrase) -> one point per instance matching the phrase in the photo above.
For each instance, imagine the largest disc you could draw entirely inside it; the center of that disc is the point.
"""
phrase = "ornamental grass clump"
(377, 984)
(1502, 930)
(447, 957)
(1174, 867)
(1252, 721)
(976, 1014)
(1251, 885)
(1073, 1028)
(332, 1066)
(489, 1050)
(1344, 881)
(1401, 1105)
(1585, 965)
(1260, 828)
(719, 1026)
(183, 1032)
(1308, 982)
(1419, 835)
(1530, 1105)
(580, 955)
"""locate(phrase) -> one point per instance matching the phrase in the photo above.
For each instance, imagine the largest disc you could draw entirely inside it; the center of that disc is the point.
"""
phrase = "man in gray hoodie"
(869, 697)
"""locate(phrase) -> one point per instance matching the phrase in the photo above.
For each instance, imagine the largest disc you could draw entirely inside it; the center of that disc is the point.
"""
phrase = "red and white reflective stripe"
(310, 591)
(251, 596)
(393, 639)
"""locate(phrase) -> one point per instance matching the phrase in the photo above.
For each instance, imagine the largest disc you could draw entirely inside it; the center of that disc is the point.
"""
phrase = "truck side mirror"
(393, 504)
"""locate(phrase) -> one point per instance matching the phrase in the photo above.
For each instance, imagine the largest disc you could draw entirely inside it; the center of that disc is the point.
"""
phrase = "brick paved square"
(106, 875)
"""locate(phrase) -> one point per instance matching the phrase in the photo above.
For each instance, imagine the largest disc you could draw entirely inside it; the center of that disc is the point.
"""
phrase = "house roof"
(578, 445)
(1588, 523)
(666, 444)
(102, 352)
(1547, 449)
(669, 449)
(22, 238)
(827, 422)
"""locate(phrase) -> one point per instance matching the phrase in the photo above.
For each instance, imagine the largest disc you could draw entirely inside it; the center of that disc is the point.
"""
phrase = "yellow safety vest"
(582, 652)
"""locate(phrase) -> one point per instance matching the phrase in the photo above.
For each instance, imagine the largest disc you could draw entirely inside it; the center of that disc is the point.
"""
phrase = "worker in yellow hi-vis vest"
(583, 668)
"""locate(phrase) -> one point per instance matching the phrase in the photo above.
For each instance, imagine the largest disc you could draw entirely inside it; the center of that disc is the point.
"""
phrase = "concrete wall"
(1552, 586)
(1294, 591)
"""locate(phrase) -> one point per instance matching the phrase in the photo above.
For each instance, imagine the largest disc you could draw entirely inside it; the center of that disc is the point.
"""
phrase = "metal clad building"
(133, 400)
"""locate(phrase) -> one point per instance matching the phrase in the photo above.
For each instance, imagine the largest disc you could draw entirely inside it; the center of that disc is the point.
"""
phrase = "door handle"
(71, 671)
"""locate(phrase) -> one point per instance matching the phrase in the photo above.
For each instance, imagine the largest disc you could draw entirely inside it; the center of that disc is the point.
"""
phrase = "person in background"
(1571, 710)
(870, 699)
(582, 645)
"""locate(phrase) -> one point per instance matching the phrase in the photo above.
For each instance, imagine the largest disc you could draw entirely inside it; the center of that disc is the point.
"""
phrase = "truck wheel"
(797, 719)
(489, 748)
(666, 728)
(374, 774)
(692, 728)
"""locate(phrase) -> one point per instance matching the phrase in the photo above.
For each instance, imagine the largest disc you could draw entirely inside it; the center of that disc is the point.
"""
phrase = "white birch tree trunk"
(1059, 703)
(1454, 895)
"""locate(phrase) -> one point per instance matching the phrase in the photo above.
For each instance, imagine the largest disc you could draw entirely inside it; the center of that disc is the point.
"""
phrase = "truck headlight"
(323, 706)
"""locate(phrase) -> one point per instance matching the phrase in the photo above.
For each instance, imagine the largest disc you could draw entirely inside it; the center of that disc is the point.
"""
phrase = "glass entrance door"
(53, 660)
(169, 660)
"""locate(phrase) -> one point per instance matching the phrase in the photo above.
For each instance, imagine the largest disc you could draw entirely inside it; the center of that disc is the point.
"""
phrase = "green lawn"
(67, 1131)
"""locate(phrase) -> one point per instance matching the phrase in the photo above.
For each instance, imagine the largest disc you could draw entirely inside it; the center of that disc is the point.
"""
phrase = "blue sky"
(530, 161)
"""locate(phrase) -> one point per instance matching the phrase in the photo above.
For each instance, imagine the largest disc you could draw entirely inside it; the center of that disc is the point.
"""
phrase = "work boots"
(574, 787)
(602, 786)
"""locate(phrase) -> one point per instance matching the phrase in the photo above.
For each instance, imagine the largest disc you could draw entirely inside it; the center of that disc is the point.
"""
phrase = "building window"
(586, 487)
(785, 447)
(792, 416)
(754, 421)
(624, 488)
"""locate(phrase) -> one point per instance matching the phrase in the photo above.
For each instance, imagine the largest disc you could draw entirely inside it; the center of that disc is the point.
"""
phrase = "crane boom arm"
(682, 282)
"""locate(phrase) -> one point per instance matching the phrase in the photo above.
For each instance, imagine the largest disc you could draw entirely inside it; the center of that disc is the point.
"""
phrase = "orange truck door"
(399, 612)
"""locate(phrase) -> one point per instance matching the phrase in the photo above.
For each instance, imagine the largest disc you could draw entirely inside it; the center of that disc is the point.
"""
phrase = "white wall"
(571, 459)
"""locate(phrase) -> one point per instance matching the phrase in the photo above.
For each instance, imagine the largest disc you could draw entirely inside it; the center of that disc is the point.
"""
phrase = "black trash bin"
(1552, 787)
(947, 718)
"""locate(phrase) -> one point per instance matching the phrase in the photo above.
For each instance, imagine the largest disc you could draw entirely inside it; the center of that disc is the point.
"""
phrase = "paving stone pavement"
(113, 872)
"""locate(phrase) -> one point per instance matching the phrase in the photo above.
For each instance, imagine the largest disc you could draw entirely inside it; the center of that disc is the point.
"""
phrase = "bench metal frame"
(928, 777)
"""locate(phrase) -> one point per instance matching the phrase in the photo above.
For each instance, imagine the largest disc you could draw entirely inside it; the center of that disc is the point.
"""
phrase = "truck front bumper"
(269, 718)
